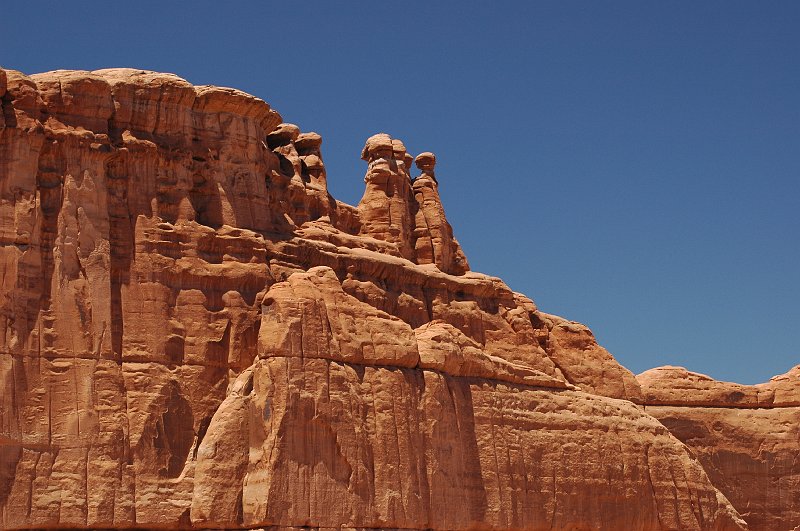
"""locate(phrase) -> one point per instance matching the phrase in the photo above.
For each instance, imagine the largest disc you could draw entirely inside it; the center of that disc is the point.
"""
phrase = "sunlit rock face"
(747, 437)
(196, 334)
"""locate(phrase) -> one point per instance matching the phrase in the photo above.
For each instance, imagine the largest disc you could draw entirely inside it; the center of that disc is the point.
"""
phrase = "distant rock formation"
(195, 334)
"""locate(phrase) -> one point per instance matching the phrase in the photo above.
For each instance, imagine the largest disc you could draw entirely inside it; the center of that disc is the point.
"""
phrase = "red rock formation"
(747, 437)
(434, 242)
(195, 333)
(385, 209)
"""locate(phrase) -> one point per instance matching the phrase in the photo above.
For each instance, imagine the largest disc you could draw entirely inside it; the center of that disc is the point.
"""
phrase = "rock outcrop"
(747, 437)
(195, 333)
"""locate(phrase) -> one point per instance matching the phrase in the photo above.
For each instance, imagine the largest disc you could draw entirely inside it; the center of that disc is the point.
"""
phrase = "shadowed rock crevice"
(9, 457)
(174, 435)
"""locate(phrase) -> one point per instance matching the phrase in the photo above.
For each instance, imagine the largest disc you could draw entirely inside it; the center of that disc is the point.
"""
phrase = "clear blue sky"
(631, 165)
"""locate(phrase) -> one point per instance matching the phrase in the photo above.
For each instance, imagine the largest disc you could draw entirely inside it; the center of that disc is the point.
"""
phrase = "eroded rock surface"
(195, 333)
(747, 437)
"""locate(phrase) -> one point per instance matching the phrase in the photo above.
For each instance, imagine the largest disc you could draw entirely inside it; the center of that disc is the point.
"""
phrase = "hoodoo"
(385, 209)
(434, 242)
(196, 334)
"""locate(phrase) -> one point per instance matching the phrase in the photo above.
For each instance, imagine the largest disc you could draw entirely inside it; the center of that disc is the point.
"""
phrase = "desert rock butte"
(195, 334)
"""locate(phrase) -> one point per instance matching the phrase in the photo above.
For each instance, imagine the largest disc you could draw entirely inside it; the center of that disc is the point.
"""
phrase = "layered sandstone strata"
(196, 333)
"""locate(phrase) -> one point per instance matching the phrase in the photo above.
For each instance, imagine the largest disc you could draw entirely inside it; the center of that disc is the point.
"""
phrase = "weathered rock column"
(433, 235)
(302, 173)
(385, 209)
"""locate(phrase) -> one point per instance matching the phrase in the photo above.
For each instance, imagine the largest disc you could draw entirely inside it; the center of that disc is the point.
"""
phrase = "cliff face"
(195, 333)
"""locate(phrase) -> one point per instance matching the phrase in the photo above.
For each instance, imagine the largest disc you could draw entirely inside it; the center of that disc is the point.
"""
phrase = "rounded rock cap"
(308, 141)
(425, 157)
(282, 135)
(376, 142)
(398, 147)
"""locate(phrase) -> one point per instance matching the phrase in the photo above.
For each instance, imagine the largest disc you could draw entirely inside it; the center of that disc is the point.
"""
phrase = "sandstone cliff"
(194, 332)
(747, 437)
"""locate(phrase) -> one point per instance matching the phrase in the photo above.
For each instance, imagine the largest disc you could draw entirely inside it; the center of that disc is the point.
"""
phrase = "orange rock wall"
(195, 333)
(747, 437)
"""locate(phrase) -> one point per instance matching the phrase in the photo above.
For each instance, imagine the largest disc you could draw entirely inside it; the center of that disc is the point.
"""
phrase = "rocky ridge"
(195, 333)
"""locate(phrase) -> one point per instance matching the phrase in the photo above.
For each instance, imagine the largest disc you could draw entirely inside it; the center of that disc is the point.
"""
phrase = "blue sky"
(631, 165)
